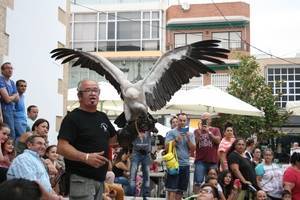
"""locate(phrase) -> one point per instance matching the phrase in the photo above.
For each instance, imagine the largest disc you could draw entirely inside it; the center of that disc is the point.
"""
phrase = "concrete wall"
(3, 35)
(34, 29)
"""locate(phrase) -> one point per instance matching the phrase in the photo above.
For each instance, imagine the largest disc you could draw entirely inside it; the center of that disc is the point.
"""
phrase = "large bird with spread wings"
(169, 73)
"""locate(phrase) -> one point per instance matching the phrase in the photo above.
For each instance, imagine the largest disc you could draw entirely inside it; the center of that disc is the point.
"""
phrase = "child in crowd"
(212, 178)
(230, 190)
(112, 190)
(51, 160)
(286, 195)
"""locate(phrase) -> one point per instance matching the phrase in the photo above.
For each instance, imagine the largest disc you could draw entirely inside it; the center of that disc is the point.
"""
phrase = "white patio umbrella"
(109, 102)
(211, 99)
(293, 106)
(162, 129)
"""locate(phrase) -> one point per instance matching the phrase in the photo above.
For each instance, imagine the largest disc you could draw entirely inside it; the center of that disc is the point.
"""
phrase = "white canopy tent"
(294, 107)
(211, 99)
(162, 129)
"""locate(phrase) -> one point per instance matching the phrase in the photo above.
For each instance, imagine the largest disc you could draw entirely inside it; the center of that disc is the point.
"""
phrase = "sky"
(274, 25)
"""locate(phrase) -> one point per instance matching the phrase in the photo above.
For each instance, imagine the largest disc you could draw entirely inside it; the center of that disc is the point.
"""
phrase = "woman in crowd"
(121, 168)
(230, 191)
(51, 159)
(208, 192)
(241, 168)
(4, 133)
(291, 177)
(224, 145)
(269, 176)
(256, 156)
(8, 153)
(39, 127)
(250, 145)
(173, 122)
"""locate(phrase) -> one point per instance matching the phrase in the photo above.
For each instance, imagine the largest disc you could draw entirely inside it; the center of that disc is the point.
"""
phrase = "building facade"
(29, 31)
(134, 35)
(283, 76)
(128, 34)
(227, 22)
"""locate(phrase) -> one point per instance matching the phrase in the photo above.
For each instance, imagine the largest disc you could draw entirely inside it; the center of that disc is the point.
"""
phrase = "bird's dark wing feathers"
(85, 60)
(177, 67)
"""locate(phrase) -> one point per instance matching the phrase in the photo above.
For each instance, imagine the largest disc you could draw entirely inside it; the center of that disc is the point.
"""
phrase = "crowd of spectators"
(81, 165)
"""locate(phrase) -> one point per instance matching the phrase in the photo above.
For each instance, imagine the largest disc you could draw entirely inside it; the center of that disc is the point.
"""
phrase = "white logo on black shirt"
(104, 127)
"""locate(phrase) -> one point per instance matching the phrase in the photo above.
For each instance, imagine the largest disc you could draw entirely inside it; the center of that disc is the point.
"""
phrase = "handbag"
(171, 160)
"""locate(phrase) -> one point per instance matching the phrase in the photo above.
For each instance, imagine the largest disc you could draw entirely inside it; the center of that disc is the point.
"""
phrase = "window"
(285, 83)
(89, 32)
(182, 39)
(220, 80)
(84, 28)
(194, 82)
(117, 31)
(229, 40)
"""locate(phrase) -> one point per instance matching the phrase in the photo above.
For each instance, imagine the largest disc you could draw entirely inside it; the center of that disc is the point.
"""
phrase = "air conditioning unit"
(185, 6)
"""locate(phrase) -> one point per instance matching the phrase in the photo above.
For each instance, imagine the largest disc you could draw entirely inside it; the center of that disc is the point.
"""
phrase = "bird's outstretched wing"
(98, 64)
(177, 67)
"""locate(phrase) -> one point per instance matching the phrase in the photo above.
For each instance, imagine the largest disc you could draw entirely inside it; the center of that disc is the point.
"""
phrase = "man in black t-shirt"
(83, 140)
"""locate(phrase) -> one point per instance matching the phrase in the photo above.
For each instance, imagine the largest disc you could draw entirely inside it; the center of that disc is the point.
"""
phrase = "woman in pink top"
(225, 144)
(291, 177)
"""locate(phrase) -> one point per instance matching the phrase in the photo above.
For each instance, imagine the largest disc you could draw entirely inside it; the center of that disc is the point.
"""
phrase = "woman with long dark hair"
(40, 127)
(121, 167)
(242, 168)
(225, 180)
(4, 134)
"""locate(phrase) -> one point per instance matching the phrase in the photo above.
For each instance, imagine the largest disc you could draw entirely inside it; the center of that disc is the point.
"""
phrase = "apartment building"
(134, 34)
(128, 33)
(227, 22)
(283, 76)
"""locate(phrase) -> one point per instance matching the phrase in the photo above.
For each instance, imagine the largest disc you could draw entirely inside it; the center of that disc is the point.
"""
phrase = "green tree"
(249, 85)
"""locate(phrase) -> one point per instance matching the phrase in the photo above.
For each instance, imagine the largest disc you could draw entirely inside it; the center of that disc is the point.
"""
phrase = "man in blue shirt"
(9, 96)
(184, 143)
(29, 164)
(20, 113)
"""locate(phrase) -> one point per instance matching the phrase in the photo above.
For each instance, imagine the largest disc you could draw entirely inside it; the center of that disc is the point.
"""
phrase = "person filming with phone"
(207, 140)
(176, 184)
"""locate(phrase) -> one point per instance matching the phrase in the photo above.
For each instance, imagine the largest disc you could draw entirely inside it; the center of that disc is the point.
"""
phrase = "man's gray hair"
(79, 85)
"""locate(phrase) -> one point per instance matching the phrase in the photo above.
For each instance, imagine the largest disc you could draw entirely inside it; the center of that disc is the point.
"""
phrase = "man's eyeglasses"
(90, 91)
